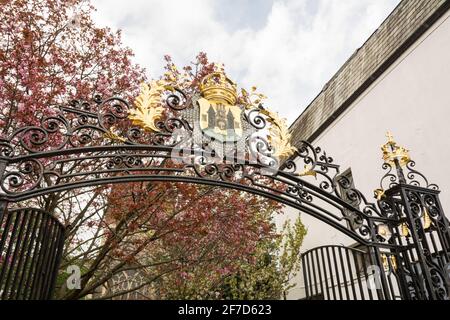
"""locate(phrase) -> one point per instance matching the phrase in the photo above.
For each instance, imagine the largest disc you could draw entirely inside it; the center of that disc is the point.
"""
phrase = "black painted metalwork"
(346, 274)
(422, 234)
(31, 242)
(88, 144)
(416, 267)
(94, 143)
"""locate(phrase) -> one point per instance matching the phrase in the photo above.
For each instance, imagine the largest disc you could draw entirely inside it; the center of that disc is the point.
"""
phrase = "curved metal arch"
(316, 249)
(203, 181)
(87, 144)
(293, 190)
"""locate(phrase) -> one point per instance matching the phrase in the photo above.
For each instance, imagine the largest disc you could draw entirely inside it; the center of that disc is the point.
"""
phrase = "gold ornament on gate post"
(404, 230)
(280, 138)
(427, 222)
(392, 152)
(379, 194)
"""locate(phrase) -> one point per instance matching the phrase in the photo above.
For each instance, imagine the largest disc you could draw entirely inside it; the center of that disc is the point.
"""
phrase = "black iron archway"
(94, 143)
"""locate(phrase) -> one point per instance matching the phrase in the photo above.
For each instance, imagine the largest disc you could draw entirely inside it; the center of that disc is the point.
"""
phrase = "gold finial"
(389, 263)
(426, 219)
(379, 194)
(392, 152)
(390, 137)
(217, 87)
(404, 230)
(384, 261)
(394, 263)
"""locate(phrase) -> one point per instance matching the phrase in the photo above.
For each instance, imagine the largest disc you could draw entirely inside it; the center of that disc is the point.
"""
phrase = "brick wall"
(361, 69)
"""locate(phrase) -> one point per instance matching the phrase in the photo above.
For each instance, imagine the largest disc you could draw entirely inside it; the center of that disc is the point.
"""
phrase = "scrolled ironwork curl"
(27, 176)
(391, 177)
(134, 134)
(111, 111)
(413, 174)
(300, 193)
(365, 231)
(178, 100)
(256, 119)
(6, 149)
(308, 153)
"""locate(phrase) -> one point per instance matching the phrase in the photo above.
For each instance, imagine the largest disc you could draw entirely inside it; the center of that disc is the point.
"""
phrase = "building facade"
(398, 81)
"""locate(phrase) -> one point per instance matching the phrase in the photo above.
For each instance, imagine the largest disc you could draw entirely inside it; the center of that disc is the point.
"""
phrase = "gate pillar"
(421, 230)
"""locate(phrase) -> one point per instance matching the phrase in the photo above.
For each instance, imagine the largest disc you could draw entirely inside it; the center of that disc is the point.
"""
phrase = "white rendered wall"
(412, 100)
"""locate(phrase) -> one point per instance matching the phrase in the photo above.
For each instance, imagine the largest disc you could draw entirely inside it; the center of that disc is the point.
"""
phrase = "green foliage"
(277, 261)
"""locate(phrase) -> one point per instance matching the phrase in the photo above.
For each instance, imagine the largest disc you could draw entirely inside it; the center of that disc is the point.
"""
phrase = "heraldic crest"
(220, 118)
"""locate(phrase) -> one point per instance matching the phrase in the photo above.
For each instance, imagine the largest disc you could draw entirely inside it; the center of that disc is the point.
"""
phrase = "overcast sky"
(289, 49)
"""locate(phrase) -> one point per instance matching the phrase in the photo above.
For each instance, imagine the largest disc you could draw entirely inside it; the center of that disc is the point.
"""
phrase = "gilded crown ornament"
(392, 152)
(221, 113)
(217, 87)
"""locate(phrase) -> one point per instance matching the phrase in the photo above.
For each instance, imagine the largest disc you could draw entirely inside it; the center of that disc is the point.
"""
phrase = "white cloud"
(289, 57)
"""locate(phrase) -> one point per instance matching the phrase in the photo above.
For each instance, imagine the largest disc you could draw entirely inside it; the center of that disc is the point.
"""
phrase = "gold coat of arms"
(220, 117)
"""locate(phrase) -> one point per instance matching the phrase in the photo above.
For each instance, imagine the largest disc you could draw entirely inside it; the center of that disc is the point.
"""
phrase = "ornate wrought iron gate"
(417, 267)
(171, 135)
(338, 273)
(31, 242)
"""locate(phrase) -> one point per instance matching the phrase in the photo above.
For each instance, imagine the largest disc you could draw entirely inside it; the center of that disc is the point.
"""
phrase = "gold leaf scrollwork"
(279, 136)
(394, 263)
(427, 222)
(308, 171)
(111, 134)
(148, 106)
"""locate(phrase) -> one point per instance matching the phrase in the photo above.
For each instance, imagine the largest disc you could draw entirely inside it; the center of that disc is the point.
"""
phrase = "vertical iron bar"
(350, 271)
(344, 276)
(17, 247)
(4, 234)
(50, 261)
(337, 273)
(3, 211)
(32, 274)
(310, 284)
(42, 253)
(331, 272)
(324, 267)
(319, 272)
(21, 267)
(8, 251)
(60, 249)
(366, 276)
(305, 281)
(389, 277)
(309, 275)
(313, 265)
(357, 273)
(31, 253)
(400, 272)
(46, 260)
